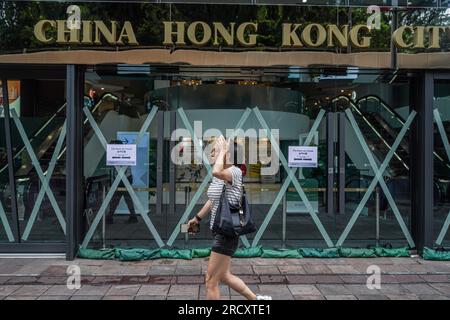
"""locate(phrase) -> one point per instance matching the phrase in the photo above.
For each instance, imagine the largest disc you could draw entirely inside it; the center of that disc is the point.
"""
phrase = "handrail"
(370, 125)
(47, 123)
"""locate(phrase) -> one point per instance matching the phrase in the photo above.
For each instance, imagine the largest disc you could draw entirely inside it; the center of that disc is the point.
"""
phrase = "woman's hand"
(192, 222)
(222, 145)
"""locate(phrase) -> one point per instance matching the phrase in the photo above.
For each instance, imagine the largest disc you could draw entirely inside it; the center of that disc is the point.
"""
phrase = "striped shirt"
(233, 191)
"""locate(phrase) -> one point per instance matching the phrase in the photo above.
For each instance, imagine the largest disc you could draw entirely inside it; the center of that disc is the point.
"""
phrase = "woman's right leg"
(238, 285)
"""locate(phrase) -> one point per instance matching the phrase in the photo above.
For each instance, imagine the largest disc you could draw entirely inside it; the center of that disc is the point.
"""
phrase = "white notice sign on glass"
(302, 157)
(121, 155)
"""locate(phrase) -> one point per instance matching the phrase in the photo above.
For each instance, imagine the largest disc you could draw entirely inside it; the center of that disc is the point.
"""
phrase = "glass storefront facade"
(363, 108)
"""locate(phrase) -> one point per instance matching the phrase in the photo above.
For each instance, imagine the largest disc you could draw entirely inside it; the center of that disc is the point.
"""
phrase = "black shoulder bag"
(233, 221)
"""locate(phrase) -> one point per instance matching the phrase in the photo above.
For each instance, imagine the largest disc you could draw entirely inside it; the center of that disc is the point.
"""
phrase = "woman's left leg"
(218, 266)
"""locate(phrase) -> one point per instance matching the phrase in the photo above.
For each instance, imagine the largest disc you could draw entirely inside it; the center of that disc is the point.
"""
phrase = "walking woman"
(226, 172)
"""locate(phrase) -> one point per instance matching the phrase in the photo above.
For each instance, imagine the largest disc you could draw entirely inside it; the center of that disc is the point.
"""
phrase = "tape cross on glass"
(444, 138)
(45, 179)
(378, 178)
(121, 177)
(290, 178)
(208, 177)
(45, 185)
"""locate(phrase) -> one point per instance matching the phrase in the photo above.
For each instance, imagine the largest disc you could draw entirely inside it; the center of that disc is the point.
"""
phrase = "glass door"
(32, 191)
(441, 113)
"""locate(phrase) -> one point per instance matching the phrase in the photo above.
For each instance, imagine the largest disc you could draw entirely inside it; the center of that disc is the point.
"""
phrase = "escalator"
(380, 125)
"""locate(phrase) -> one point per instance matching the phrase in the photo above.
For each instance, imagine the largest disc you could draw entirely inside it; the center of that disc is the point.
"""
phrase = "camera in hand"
(194, 228)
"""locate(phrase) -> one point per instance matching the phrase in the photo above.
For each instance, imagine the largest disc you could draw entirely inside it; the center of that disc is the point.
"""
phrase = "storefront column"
(74, 161)
(421, 150)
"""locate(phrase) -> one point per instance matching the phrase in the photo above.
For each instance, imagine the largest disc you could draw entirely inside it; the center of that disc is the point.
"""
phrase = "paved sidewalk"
(287, 279)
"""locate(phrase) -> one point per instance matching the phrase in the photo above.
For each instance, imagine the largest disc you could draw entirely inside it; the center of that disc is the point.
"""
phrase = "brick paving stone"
(436, 277)
(22, 280)
(421, 288)
(237, 298)
(54, 298)
(300, 289)
(98, 280)
(305, 297)
(433, 297)
(341, 297)
(273, 279)
(54, 271)
(150, 298)
(162, 280)
(266, 270)
(32, 269)
(134, 279)
(402, 297)
(87, 279)
(291, 270)
(6, 290)
(75, 297)
(8, 269)
(404, 260)
(162, 270)
(90, 290)
(392, 289)
(409, 278)
(59, 290)
(108, 271)
(14, 297)
(180, 297)
(186, 290)
(190, 279)
(31, 290)
(153, 290)
(333, 289)
(352, 279)
(327, 279)
(273, 289)
(443, 288)
(300, 279)
(118, 298)
(224, 291)
(343, 269)
(241, 269)
(135, 270)
(393, 269)
(253, 287)
(188, 270)
(249, 279)
(90, 270)
(371, 297)
(389, 278)
(358, 289)
(317, 269)
(51, 280)
(282, 296)
(123, 290)
(419, 268)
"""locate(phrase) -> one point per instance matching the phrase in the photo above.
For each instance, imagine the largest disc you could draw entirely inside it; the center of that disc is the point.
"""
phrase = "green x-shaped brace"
(444, 138)
(42, 177)
(291, 178)
(121, 176)
(378, 178)
(208, 177)
(45, 185)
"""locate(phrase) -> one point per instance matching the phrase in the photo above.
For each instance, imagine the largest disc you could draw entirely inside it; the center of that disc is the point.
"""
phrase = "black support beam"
(74, 159)
(421, 167)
